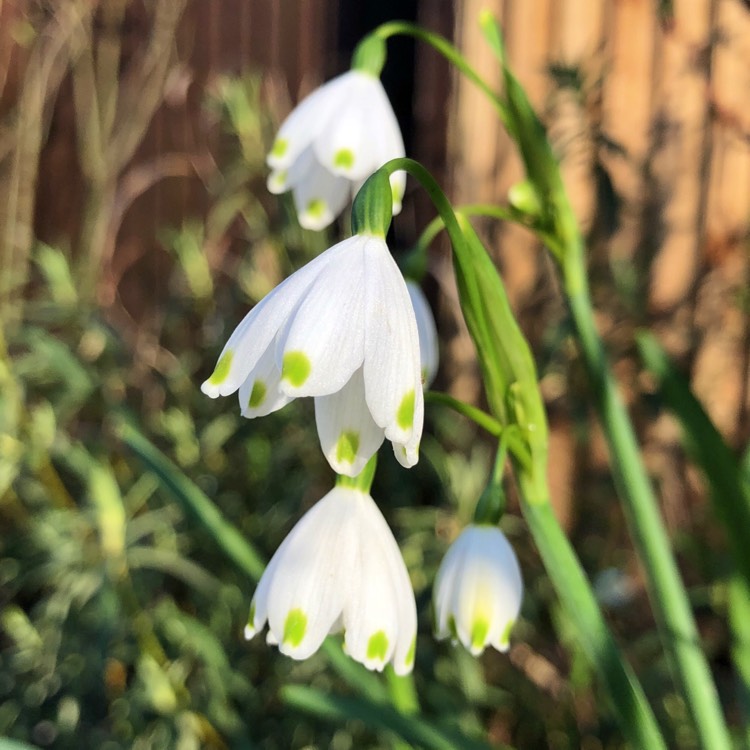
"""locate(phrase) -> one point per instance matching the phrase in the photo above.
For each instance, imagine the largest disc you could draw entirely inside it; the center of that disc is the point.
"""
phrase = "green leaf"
(194, 500)
(413, 729)
(729, 491)
(6, 744)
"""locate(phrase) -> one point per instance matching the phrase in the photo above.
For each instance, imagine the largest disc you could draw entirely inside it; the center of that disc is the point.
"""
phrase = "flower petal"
(306, 120)
(319, 195)
(259, 394)
(380, 620)
(254, 334)
(347, 433)
(427, 332)
(360, 138)
(323, 343)
(393, 384)
(312, 580)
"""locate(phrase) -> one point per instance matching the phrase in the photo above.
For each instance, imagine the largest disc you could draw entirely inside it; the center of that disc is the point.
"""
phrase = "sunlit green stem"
(363, 480)
(486, 421)
(447, 50)
(492, 502)
(667, 592)
(739, 617)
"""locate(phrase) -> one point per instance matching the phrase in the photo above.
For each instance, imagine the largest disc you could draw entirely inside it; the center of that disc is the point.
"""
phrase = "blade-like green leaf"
(193, 499)
(729, 491)
(377, 716)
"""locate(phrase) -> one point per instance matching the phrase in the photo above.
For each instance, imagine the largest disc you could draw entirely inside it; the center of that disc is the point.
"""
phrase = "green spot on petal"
(219, 375)
(377, 646)
(505, 637)
(452, 627)
(251, 616)
(344, 158)
(410, 653)
(258, 394)
(479, 631)
(316, 208)
(405, 413)
(347, 447)
(279, 148)
(295, 368)
(295, 627)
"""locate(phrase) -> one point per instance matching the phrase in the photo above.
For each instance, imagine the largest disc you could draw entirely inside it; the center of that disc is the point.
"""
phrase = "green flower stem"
(739, 616)
(636, 719)
(447, 50)
(363, 480)
(492, 502)
(479, 417)
(667, 592)
(473, 209)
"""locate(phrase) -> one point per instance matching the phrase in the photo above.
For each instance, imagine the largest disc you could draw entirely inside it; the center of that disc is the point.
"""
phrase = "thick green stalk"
(667, 592)
(634, 714)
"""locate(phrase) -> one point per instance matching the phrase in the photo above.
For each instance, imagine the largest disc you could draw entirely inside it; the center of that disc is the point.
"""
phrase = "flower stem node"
(339, 569)
(373, 206)
(332, 142)
(478, 590)
(341, 329)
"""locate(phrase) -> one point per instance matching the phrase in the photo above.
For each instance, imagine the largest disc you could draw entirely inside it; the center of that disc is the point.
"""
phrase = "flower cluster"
(347, 330)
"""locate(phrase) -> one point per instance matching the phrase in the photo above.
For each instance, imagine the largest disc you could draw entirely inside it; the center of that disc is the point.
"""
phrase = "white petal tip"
(210, 390)
(249, 632)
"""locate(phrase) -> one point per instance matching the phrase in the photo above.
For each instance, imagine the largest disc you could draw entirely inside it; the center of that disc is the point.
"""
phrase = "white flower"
(339, 569)
(478, 590)
(331, 143)
(341, 329)
(428, 338)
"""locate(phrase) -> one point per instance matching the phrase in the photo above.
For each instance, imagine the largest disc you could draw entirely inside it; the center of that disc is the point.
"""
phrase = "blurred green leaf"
(56, 270)
(413, 729)
(729, 491)
(6, 744)
(193, 499)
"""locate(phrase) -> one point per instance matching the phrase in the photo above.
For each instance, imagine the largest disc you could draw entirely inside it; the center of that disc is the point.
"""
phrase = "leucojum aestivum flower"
(347, 330)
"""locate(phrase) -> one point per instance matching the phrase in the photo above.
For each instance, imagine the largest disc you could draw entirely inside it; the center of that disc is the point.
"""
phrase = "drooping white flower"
(341, 329)
(428, 338)
(478, 590)
(331, 143)
(339, 569)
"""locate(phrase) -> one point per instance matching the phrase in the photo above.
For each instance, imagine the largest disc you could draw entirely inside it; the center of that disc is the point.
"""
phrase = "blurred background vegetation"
(136, 231)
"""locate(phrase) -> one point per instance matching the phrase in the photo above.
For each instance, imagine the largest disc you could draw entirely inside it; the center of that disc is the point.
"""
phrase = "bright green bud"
(525, 198)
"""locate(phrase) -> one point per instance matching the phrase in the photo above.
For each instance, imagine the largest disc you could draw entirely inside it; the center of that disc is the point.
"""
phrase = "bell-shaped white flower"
(428, 338)
(339, 569)
(331, 143)
(478, 590)
(341, 329)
